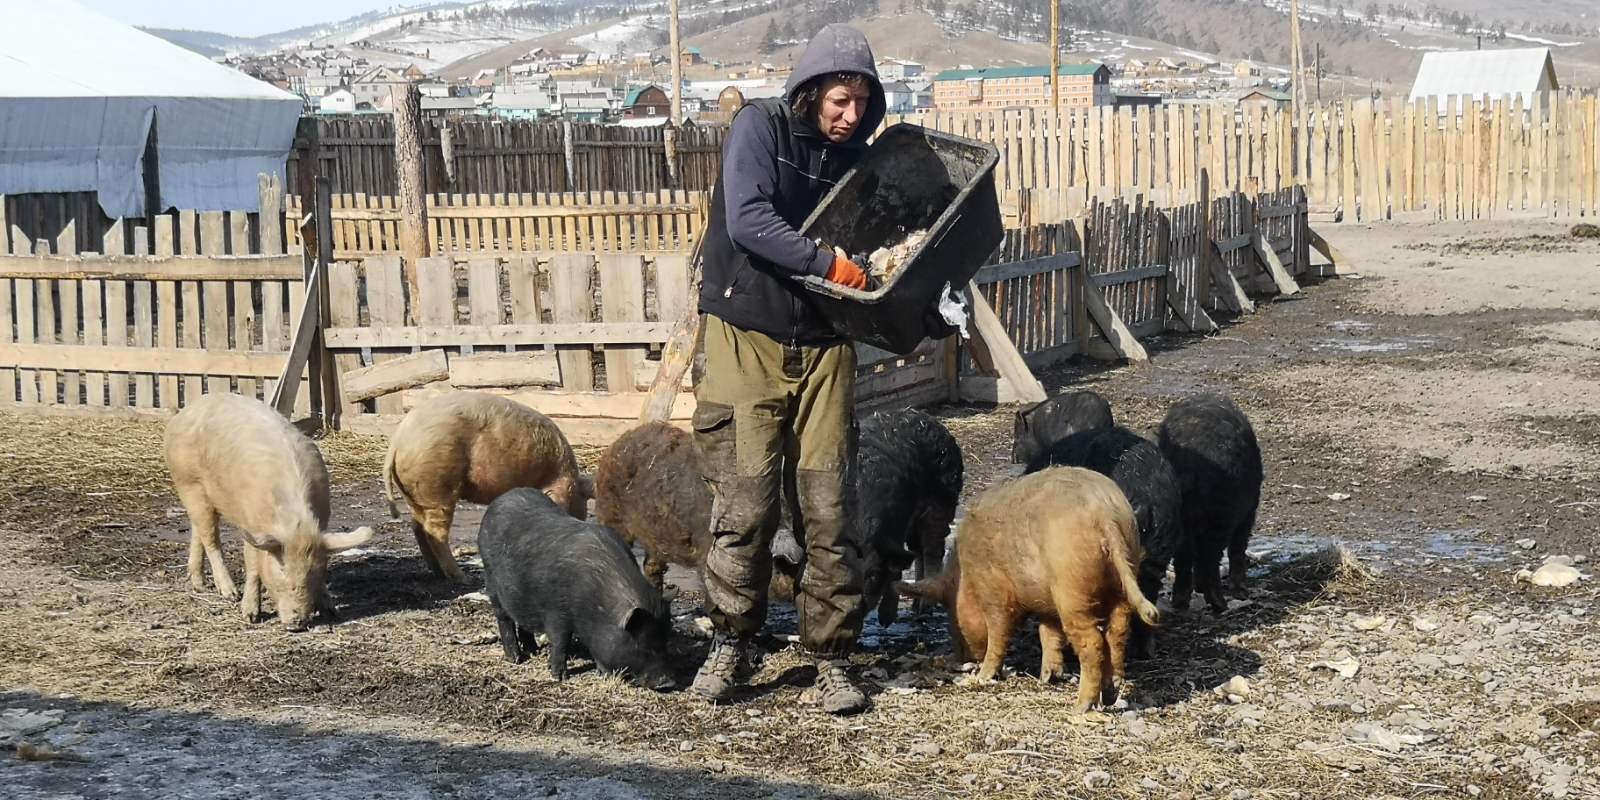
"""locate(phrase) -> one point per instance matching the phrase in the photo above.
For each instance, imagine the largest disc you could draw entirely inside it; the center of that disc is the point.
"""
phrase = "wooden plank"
(572, 303)
(622, 301)
(273, 329)
(386, 302)
(995, 273)
(436, 292)
(25, 310)
(124, 359)
(45, 319)
(8, 376)
(483, 291)
(214, 312)
(673, 289)
(1227, 286)
(1274, 266)
(564, 405)
(344, 309)
(271, 217)
(144, 336)
(584, 334)
(534, 368)
(579, 431)
(190, 292)
(213, 236)
(1348, 158)
(307, 308)
(1104, 280)
(522, 278)
(393, 375)
(990, 337)
(152, 268)
(67, 294)
(116, 321)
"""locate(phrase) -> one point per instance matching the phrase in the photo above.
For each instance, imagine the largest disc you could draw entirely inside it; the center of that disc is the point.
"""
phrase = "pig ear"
(267, 543)
(335, 542)
(635, 620)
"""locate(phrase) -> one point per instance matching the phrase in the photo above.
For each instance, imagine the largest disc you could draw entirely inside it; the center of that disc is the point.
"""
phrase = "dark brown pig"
(648, 488)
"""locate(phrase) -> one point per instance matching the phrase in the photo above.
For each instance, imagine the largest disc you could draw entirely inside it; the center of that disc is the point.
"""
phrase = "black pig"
(908, 475)
(1039, 426)
(1213, 449)
(1142, 472)
(546, 572)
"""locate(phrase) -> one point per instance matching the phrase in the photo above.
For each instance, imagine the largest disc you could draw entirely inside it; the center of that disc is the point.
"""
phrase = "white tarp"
(78, 94)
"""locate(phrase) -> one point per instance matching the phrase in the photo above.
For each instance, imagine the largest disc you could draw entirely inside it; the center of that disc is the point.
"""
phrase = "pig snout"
(659, 683)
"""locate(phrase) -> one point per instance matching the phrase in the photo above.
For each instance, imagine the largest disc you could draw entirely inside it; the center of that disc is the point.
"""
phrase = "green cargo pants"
(764, 412)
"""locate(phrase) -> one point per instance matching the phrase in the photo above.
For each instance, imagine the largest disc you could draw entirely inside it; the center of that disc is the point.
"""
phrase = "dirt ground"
(1429, 428)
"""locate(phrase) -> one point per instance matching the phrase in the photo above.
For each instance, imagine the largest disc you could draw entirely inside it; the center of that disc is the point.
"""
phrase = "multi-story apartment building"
(1082, 86)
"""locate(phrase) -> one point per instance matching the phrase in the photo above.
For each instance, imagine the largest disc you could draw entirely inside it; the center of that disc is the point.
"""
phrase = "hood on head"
(840, 48)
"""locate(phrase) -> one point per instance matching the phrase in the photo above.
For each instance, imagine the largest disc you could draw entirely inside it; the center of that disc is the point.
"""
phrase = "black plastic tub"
(910, 179)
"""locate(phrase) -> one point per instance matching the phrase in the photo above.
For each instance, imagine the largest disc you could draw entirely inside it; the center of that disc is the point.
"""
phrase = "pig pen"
(1429, 430)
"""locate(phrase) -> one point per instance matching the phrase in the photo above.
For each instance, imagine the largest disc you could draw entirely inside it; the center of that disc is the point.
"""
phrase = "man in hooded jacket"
(775, 394)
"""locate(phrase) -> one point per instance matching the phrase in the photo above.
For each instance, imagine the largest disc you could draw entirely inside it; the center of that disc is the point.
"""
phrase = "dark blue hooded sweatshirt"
(776, 168)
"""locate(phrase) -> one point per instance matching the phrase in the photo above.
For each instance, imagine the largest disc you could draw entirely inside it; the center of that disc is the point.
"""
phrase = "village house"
(646, 101)
(338, 101)
(1521, 72)
(1082, 86)
(374, 85)
(1258, 100)
(447, 107)
(897, 69)
(691, 56)
(521, 103)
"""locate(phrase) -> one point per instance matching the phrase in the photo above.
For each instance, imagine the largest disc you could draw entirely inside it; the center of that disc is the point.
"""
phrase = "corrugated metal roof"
(1495, 73)
(996, 73)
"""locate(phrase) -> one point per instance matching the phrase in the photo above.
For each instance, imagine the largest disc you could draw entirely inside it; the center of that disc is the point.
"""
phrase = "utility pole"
(1296, 63)
(677, 62)
(1055, 56)
(670, 135)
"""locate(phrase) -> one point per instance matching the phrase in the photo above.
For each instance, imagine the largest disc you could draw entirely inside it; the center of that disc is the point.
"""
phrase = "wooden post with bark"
(678, 353)
(414, 244)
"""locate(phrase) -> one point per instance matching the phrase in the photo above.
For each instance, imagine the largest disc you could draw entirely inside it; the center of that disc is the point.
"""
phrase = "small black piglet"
(546, 572)
(1038, 427)
(1213, 449)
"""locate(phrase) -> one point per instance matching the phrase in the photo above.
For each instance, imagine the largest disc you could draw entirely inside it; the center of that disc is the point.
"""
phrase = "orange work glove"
(845, 273)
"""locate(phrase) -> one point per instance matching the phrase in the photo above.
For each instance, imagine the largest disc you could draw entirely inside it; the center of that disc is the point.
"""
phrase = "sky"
(235, 17)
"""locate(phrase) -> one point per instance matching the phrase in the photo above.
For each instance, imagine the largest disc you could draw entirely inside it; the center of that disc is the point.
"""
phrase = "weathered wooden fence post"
(447, 152)
(414, 244)
(567, 152)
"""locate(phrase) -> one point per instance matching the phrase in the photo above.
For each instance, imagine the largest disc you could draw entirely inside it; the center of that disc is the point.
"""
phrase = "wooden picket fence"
(159, 312)
(368, 225)
(576, 334)
(1369, 160)
(491, 156)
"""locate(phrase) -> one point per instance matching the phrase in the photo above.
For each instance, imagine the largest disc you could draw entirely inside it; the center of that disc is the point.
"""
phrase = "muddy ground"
(1436, 416)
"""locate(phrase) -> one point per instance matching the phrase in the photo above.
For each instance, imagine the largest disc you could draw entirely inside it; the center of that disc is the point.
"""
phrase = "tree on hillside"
(787, 32)
(769, 40)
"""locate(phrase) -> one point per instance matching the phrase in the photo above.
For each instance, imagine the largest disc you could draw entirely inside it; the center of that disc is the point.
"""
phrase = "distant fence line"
(1369, 160)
